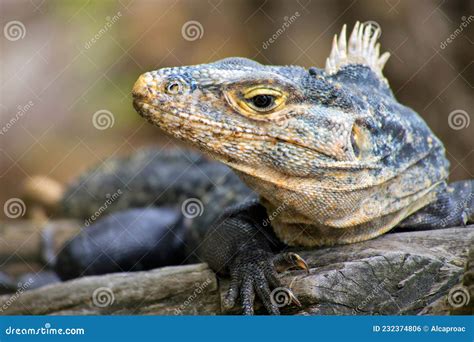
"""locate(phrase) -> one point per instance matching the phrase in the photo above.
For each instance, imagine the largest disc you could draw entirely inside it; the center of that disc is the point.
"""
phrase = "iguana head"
(260, 116)
(293, 133)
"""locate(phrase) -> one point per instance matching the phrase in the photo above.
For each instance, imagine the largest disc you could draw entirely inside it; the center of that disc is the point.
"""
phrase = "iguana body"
(143, 211)
(332, 154)
(155, 177)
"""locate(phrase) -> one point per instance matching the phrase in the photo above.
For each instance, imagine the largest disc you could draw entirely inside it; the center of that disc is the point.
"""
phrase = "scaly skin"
(153, 177)
(141, 187)
(333, 155)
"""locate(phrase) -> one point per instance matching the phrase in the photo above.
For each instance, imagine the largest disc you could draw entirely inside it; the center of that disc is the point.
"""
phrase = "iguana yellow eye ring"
(263, 100)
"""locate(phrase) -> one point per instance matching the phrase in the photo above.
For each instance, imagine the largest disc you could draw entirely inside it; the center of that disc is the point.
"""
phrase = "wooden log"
(396, 274)
(189, 289)
(21, 240)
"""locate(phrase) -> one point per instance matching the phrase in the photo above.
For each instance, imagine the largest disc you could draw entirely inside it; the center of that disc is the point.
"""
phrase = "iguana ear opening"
(362, 48)
(360, 141)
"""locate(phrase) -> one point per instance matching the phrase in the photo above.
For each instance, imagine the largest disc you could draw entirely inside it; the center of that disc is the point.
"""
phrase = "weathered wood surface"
(400, 273)
(21, 240)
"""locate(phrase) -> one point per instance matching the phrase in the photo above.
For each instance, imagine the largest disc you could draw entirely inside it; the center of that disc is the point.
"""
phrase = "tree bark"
(395, 274)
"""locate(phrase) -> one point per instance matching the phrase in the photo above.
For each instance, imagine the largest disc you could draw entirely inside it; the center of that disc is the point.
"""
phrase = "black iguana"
(333, 155)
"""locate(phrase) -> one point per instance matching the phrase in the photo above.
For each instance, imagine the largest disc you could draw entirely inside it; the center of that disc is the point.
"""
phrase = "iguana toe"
(286, 261)
(255, 273)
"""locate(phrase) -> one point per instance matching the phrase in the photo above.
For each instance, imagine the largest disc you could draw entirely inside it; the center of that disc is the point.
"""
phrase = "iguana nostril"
(174, 87)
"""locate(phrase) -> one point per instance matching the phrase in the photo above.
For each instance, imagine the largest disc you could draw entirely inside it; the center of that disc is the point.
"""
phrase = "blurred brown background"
(64, 61)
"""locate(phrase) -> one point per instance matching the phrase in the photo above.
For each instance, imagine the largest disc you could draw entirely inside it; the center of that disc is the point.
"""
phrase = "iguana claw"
(293, 298)
(254, 272)
(286, 261)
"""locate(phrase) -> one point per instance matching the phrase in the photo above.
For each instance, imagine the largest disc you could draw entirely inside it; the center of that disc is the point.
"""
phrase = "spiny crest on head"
(362, 48)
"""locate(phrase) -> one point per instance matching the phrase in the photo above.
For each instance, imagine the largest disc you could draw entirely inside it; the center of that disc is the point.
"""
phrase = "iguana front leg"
(240, 244)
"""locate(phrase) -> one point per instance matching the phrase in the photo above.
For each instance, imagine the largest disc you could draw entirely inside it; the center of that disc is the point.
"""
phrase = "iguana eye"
(258, 102)
(263, 101)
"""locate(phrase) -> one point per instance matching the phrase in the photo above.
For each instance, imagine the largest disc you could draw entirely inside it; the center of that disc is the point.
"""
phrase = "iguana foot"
(242, 246)
(255, 272)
